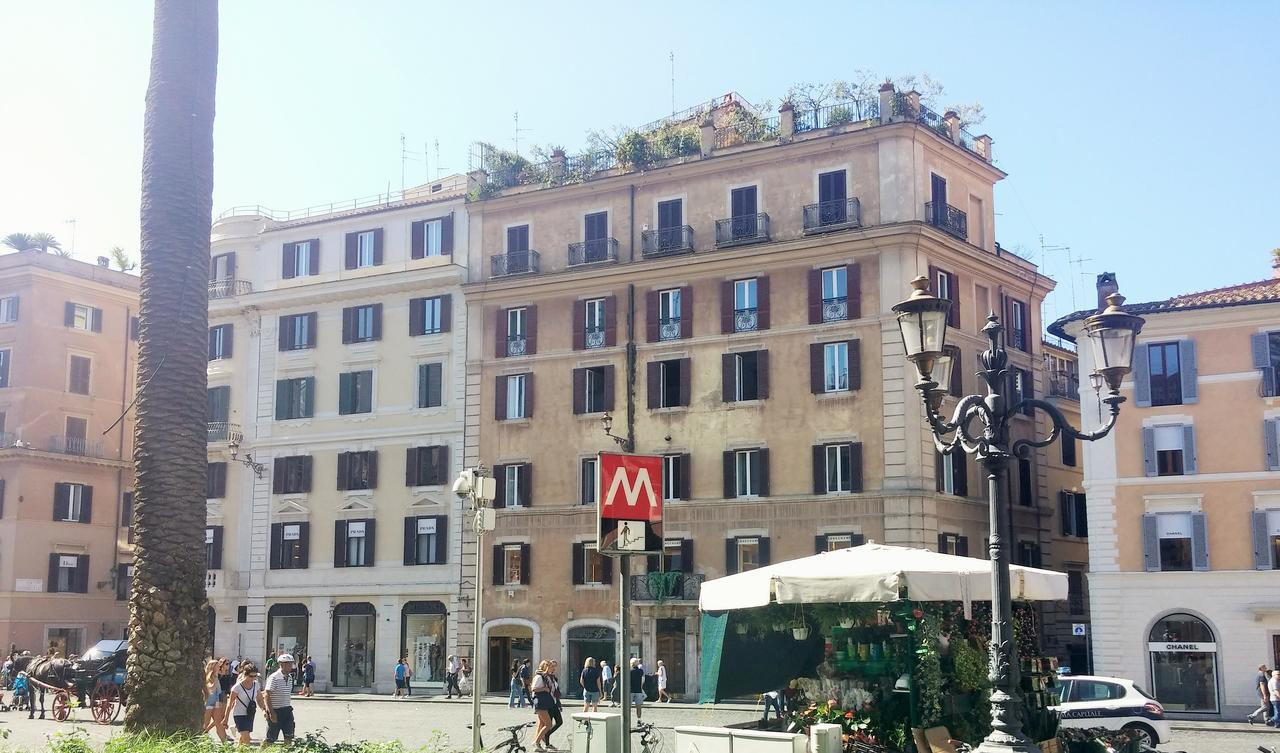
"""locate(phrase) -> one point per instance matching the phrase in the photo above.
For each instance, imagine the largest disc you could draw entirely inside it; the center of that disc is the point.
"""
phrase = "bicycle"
(650, 739)
(514, 744)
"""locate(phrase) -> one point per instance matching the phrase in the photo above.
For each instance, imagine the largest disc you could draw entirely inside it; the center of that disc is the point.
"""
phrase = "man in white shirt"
(451, 676)
(277, 701)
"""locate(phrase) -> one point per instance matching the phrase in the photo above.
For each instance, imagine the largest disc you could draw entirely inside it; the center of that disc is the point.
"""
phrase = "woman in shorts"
(215, 713)
(243, 703)
(592, 685)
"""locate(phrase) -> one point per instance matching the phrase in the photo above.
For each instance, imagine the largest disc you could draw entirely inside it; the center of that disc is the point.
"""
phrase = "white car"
(1111, 703)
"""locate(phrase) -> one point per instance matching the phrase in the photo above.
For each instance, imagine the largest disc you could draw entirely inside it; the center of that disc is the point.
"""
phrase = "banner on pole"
(629, 503)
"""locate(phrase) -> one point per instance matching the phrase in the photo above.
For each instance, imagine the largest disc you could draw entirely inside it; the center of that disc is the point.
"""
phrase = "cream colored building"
(68, 352)
(336, 363)
(1184, 501)
(730, 308)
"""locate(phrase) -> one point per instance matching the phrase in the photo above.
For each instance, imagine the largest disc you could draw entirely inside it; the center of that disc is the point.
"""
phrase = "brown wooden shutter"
(69, 314)
(277, 534)
(855, 364)
(761, 471)
(686, 376)
(370, 541)
(650, 314)
(313, 257)
(499, 574)
(530, 330)
(762, 302)
(579, 391)
(500, 398)
(726, 307)
(344, 469)
(528, 395)
(653, 384)
(576, 555)
(348, 321)
(349, 260)
(377, 321)
(933, 279)
(762, 374)
(686, 312)
(730, 556)
(377, 247)
(216, 563)
(817, 380)
(411, 466)
(500, 496)
(417, 316)
(526, 565)
(526, 484)
(500, 336)
(579, 324)
(855, 466)
(685, 464)
(446, 312)
(373, 468)
(410, 541)
(819, 470)
(730, 476)
(726, 376)
(82, 573)
(286, 263)
(305, 461)
(441, 467)
(340, 544)
(417, 242)
(313, 320)
(855, 292)
(611, 321)
(446, 234)
(815, 296)
(608, 388)
(953, 316)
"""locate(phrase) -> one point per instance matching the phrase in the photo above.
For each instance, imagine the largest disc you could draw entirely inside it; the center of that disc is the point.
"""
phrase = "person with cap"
(277, 701)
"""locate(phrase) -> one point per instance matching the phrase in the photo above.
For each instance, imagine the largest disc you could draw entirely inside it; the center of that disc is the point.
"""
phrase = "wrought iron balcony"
(228, 288)
(222, 431)
(514, 263)
(1063, 384)
(835, 309)
(669, 328)
(593, 252)
(826, 216)
(593, 337)
(948, 219)
(667, 241)
(739, 231)
(516, 346)
(746, 320)
(669, 586)
(91, 448)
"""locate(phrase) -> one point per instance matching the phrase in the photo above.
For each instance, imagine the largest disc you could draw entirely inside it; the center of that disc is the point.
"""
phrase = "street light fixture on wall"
(480, 489)
(606, 421)
(247, 461)
(922, 319)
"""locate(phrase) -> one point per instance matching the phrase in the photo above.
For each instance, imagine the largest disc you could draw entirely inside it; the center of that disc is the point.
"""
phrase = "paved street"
(415, 722)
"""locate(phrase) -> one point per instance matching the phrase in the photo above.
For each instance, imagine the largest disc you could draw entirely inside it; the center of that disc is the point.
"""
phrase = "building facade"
(729, 309)
(336, 353)
(1184, 501)
(68, 355)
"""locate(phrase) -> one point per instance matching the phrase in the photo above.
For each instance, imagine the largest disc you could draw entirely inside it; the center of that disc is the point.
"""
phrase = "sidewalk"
(1188, 725)
(495, 700)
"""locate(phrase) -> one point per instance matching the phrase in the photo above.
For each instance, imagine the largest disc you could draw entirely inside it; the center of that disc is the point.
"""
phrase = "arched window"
(1184, 663)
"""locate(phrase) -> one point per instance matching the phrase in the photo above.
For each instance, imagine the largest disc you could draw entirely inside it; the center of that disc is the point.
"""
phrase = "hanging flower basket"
(846, 623)
(800, 633)
(742, 629)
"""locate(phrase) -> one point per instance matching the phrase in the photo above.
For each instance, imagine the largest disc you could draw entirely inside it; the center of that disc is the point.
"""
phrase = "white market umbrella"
(875, 573)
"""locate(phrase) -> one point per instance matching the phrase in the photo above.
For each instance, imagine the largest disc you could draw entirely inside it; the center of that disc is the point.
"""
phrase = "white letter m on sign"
(632, 493)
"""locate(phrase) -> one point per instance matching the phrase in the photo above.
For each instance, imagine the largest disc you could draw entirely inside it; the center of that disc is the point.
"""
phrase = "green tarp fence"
(736, 665)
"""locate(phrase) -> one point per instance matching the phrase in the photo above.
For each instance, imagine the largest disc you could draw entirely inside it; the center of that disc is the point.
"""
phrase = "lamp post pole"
(475, 485)
(622, 666)
(922, 320)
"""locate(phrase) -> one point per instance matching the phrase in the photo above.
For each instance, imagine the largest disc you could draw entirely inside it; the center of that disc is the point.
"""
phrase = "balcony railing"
(228, 288)
(593, 337)
(76, 446)
(662, 587)
(1063, 384)
(746, 320)
(948, 219)
(669, 328)
(222, 431)
(514, 263)
(517, 346)
(738, 231)
(9, 439)
(826, 216)
(593, 252)
(667, 241)
(835, 309)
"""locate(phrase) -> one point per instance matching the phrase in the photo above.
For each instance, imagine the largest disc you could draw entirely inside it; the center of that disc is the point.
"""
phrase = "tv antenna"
(672, 57)
(1074, 264)
(518, 130)
(407, 156)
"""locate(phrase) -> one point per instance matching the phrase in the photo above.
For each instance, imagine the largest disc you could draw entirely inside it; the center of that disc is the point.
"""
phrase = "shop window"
(1184, 664)
(353, 645)
(422, 639)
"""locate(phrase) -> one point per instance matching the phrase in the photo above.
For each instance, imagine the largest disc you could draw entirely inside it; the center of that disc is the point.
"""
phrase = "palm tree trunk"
(167, 621)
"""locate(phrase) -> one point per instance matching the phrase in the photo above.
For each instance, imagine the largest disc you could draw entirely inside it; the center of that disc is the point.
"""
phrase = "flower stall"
(886, 641)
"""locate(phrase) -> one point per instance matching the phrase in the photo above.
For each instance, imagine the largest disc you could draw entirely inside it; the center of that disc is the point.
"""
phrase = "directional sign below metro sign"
(629, 499)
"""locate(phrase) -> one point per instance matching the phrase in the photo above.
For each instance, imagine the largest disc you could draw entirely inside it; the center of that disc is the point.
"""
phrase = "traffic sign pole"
(623, 672)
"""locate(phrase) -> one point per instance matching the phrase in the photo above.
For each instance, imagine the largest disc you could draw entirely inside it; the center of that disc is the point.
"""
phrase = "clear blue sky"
(1138, 134)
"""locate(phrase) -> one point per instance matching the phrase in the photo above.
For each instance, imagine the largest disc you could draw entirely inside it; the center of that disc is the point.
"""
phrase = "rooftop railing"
(228, 288)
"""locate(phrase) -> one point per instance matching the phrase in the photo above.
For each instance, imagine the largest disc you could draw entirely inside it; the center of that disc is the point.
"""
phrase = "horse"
(53, 671)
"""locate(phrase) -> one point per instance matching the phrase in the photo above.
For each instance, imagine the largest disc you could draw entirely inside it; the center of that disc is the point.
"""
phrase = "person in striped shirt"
(277, 701)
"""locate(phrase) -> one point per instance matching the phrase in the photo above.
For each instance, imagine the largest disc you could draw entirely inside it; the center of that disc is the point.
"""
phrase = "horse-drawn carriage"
(95, 680)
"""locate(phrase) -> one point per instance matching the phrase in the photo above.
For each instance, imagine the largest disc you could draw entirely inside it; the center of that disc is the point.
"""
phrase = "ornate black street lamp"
(922, 319)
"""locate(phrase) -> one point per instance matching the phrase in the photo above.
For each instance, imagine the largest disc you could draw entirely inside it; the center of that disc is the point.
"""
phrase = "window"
(358, 471)
(9, 309)
(124, 581)
(516, 341)
(126, 516)
(746, 376)
(1075, 591)
(518, 239)
(213, 548)
(588, 482)
(515, 394)
(669, 314)
(1026, 491)
(670, 217)
(365, 249)
(362, 323)
(1068, 451)
(954, 387)
(1027, 553)
(78, 376)
(512, 488)
(1074, 512)
(289, 546)
(215, 481)
(355, 392)
(1019, 326)
(832, 187)
(590, 567)
(745, 553)
(222, 267)
(220, 340)
(219, 410)
(1021, 388)
(1175, 541)
(839, 469)
(353, 543)
(68, 573)
(432, 237)
(669, 383)
(295, 398)
(4, 367)
(1165, 374)
(595, 237)
(834, 542)
(513, 565)
(301, 259)
(427, 466)
(953, 543)
(430, 385)
(298, 331)
(835, 367)
(835, 284)
(1169, 450)
(291, 475)
(73, 503)
(749, 472)
(946, 286)
(745, 305)
(426, 540)
(748, 554)
(1184, 676)
(952, 476)
(675, 478)
(1266, 539)
(593, 389)
(82, 317)
(76, 436)
(594, 323)
(429, 316)
(1266, 356)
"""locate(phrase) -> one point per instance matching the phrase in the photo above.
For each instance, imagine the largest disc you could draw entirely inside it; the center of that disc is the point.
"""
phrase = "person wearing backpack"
(243, 704)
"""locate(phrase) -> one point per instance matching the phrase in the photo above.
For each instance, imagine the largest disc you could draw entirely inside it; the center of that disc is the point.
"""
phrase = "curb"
(366, 698)
(1260, 729)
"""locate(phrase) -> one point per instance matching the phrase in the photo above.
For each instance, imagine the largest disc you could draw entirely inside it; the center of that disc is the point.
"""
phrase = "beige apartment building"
(336, 352)
(730, 310)
(68, 351)
(1184, 501)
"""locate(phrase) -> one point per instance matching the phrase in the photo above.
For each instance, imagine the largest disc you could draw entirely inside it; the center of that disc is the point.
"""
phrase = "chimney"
(1106, 286)
(1275, 263)
(104, 261)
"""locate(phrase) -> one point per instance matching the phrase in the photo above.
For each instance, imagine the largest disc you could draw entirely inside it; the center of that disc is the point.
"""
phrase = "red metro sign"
(629, 499)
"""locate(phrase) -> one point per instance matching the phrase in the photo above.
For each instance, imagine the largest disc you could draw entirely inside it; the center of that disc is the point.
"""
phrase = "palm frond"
(19, 241)
(46, 241)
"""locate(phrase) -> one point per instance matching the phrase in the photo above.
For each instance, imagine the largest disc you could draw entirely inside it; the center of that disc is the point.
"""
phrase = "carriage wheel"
(61, 706)
(106, 703)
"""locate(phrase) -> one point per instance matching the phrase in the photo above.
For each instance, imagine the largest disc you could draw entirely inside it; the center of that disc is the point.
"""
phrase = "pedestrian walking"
(215, 710)
(636, 686)
(243, 704)
(401, 673)
(606, 680)
(1273, 693)
(557, 708)
(277, 702)
(517, 686)
(526, 679)
(543, 701)
(592, 685)
(271, 663)
(1264, 695)
(662, 683)
(464, 678)
(308, 677)
(773, 700)
(451, 676)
